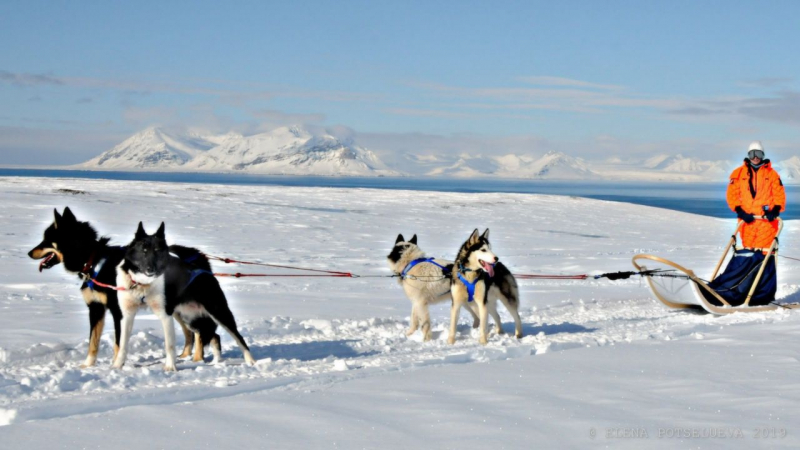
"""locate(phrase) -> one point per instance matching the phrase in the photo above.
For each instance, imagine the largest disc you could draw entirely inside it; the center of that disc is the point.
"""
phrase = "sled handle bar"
(739, 224)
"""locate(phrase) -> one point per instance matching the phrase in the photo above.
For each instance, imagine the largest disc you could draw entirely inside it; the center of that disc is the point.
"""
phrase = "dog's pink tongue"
(488, 268)
(45, 261)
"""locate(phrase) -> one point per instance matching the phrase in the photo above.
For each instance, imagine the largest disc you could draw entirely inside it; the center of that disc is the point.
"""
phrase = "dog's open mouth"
(49, 261)
(489, 268)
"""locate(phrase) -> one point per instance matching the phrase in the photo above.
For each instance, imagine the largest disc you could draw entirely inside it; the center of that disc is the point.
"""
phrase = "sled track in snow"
(41, 382)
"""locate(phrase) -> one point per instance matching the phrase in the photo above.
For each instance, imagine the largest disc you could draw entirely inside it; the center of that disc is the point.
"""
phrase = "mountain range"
(282, 151)
(296, 150)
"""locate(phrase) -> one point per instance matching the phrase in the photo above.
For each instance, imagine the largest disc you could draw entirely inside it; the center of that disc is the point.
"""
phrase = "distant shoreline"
(15, 170)
(697, 198)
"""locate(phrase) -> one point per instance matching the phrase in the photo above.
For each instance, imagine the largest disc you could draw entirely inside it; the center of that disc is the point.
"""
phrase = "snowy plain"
(602, 364)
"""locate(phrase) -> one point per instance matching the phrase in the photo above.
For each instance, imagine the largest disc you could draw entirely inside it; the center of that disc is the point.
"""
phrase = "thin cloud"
(567, 95)
(276, 116)
(558, 81)
(571, 99)
(138, 116)
(696, 111)
(29, 79)
(768, 82)
(445, 114)
(46, 146)
(194, 87)
(785, 107)
(422, 112)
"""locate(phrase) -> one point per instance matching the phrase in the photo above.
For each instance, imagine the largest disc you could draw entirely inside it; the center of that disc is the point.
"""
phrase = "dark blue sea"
(698, 198)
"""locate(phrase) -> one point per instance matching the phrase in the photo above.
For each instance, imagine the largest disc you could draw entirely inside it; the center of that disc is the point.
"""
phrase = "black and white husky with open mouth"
(78, 247)
(480, 279)
(425, 281)
(154, 278)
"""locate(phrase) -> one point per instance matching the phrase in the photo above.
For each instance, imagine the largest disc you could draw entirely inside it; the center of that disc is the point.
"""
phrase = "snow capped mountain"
(299, 151)
(290, 151)
(151, 148)
(659, 161)
(553, 165)
(466, 166)
(283, 151)
(789, 169)
(679, 165)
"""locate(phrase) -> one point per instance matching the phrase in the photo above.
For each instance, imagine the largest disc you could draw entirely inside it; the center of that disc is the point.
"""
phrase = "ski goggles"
(753, 154)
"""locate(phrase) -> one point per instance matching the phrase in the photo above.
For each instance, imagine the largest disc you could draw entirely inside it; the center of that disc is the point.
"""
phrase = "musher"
(756, 189)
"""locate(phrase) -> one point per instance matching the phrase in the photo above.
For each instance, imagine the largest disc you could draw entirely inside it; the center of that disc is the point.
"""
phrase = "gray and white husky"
(479, 279)
(152, 277)
(424, 280)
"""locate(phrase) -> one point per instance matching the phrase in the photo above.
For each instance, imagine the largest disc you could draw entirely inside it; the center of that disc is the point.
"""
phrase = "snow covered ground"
(602, 364)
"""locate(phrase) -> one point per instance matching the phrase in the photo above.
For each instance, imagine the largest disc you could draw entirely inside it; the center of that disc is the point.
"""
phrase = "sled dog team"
(176, 282)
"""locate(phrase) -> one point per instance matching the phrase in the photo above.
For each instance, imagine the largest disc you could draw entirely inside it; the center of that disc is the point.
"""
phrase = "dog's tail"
(506, 282)
(191, 256)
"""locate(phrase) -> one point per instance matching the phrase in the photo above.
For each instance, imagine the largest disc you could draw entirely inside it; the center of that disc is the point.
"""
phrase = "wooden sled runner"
(679, 287)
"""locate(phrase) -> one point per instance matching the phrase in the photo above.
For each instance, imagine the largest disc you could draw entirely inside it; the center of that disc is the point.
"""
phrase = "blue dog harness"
(421, 260)
(467, 284)
(95, 273)
(194, 274)
(90, 283)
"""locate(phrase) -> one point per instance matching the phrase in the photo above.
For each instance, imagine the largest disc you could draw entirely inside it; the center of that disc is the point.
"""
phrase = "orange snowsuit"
(757, 192)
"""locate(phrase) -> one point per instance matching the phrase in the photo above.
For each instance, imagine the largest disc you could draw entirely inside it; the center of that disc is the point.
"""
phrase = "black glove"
(774, 213)
(746, 217)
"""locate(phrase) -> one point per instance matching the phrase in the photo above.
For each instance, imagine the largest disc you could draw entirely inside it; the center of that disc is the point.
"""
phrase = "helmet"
(755, 150)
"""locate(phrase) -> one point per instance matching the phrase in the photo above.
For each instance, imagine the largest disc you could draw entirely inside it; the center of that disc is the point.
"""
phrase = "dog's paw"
(476, 323)
(426, 338)
(451, 340)
(519, 335)
(483, 340)
(410, 332)
(117, 365)
(499, 330)
(88, 363)
(170, 368)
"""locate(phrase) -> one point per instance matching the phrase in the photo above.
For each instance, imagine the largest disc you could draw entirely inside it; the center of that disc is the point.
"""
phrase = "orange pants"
(758, 234)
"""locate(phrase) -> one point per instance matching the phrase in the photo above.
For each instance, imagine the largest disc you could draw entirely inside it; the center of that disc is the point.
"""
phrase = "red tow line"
(323, 273)
(549, 277)
(109, 286)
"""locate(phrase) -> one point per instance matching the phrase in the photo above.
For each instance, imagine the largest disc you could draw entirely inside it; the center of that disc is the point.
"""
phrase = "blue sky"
(590, 78)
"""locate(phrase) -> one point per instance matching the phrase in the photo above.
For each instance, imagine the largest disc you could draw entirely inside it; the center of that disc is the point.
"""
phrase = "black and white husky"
(169, 286)
(424, 280)
(76, 245)
(479, 278)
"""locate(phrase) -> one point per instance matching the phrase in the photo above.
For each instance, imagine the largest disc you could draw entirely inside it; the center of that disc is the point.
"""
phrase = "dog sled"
(748, 283)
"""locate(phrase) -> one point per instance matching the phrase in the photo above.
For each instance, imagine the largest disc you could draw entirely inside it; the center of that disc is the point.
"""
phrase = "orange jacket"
(754, 189)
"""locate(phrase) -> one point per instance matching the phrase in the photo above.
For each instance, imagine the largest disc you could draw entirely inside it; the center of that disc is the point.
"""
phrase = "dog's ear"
(68, 216)
(400, 238)
(56, 217)
(140, 233)
(413, 239)
(473, 238)
(160, 232)
(485, 234)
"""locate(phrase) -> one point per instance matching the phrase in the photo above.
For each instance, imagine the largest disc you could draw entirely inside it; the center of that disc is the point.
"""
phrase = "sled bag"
(735, 282)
